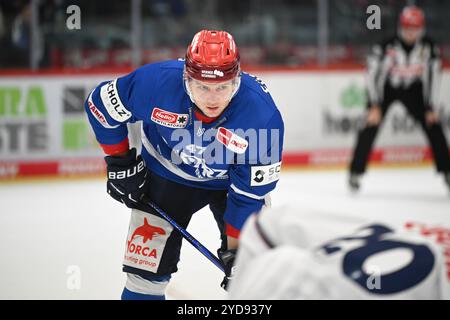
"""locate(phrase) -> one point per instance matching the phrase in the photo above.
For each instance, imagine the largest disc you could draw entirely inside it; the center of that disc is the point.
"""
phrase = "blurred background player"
(406, 68)
(192, 155)
(294, 252)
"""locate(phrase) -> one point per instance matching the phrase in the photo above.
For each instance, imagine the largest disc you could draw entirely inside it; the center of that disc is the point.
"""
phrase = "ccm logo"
(126, 173)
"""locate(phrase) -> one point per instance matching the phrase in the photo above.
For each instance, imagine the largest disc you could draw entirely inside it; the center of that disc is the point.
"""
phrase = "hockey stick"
(203, 250)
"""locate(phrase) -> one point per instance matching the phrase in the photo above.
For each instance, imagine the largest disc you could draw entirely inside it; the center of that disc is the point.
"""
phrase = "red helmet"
(412, 16)
(212, 56)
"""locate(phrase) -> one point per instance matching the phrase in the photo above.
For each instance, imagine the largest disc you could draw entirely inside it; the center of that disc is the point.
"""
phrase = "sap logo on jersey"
(169, 119)
(111, 100)
(146, 240)
(262, 175)
(232, 141)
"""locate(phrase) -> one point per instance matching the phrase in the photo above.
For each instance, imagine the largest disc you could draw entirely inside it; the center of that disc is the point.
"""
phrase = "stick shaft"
(203, 250)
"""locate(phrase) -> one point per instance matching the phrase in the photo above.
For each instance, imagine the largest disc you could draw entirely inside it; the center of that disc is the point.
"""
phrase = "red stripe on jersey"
(112, 149)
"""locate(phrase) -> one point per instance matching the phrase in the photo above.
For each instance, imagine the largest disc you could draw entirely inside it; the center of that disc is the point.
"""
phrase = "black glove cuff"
(227, 257)
(125, 161)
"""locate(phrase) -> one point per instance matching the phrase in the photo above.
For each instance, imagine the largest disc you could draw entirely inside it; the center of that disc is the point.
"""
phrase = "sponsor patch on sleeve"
(263, 175)
(231, 140)
(111, 100)
(169, 119)
(98, 115)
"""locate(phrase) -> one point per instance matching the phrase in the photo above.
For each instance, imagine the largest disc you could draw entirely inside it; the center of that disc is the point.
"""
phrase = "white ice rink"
(53, 234)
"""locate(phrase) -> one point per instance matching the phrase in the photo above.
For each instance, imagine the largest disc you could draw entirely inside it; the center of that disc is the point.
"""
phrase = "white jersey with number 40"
(292, 253)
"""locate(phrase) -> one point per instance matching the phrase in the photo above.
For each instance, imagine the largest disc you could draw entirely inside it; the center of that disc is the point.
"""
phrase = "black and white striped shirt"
(401, 65)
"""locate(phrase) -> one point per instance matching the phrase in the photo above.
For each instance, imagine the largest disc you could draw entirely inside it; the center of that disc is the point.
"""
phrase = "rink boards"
(44, 130)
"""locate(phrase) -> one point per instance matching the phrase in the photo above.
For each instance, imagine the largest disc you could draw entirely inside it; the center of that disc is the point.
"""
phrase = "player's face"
(212, 98)
(411, 34)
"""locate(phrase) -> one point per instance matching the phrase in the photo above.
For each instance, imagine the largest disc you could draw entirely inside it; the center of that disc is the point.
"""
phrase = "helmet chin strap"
(237, 86)
(186, 85)
(188, 91)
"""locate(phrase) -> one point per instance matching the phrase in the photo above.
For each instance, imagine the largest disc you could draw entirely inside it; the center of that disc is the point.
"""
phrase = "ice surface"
(50, 231)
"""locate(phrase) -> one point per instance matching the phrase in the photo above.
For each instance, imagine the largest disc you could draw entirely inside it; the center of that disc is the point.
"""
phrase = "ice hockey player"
(299, 253)
(211, 135)
(405, 68)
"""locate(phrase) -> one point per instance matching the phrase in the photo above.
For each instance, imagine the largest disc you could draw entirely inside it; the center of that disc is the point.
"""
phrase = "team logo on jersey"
(193, 155)
(262, 175)
(231, 140)
(169, 119)
(111, 100)
(146, 240)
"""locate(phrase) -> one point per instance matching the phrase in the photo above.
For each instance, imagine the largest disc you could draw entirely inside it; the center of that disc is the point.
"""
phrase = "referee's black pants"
(412, 99)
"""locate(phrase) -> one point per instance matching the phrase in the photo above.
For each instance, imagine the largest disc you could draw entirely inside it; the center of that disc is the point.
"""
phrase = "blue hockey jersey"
(240, 151)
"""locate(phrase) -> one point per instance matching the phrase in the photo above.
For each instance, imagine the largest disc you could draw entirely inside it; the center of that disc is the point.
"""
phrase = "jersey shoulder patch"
(109, 95)
(263, 175)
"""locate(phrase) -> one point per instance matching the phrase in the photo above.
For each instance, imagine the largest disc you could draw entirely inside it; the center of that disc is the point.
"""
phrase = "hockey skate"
(354, 182)
(447, 179)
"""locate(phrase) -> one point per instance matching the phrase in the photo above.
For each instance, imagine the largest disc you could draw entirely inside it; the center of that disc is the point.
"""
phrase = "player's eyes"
(208, 89)
(203, 88)
(222, 88)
